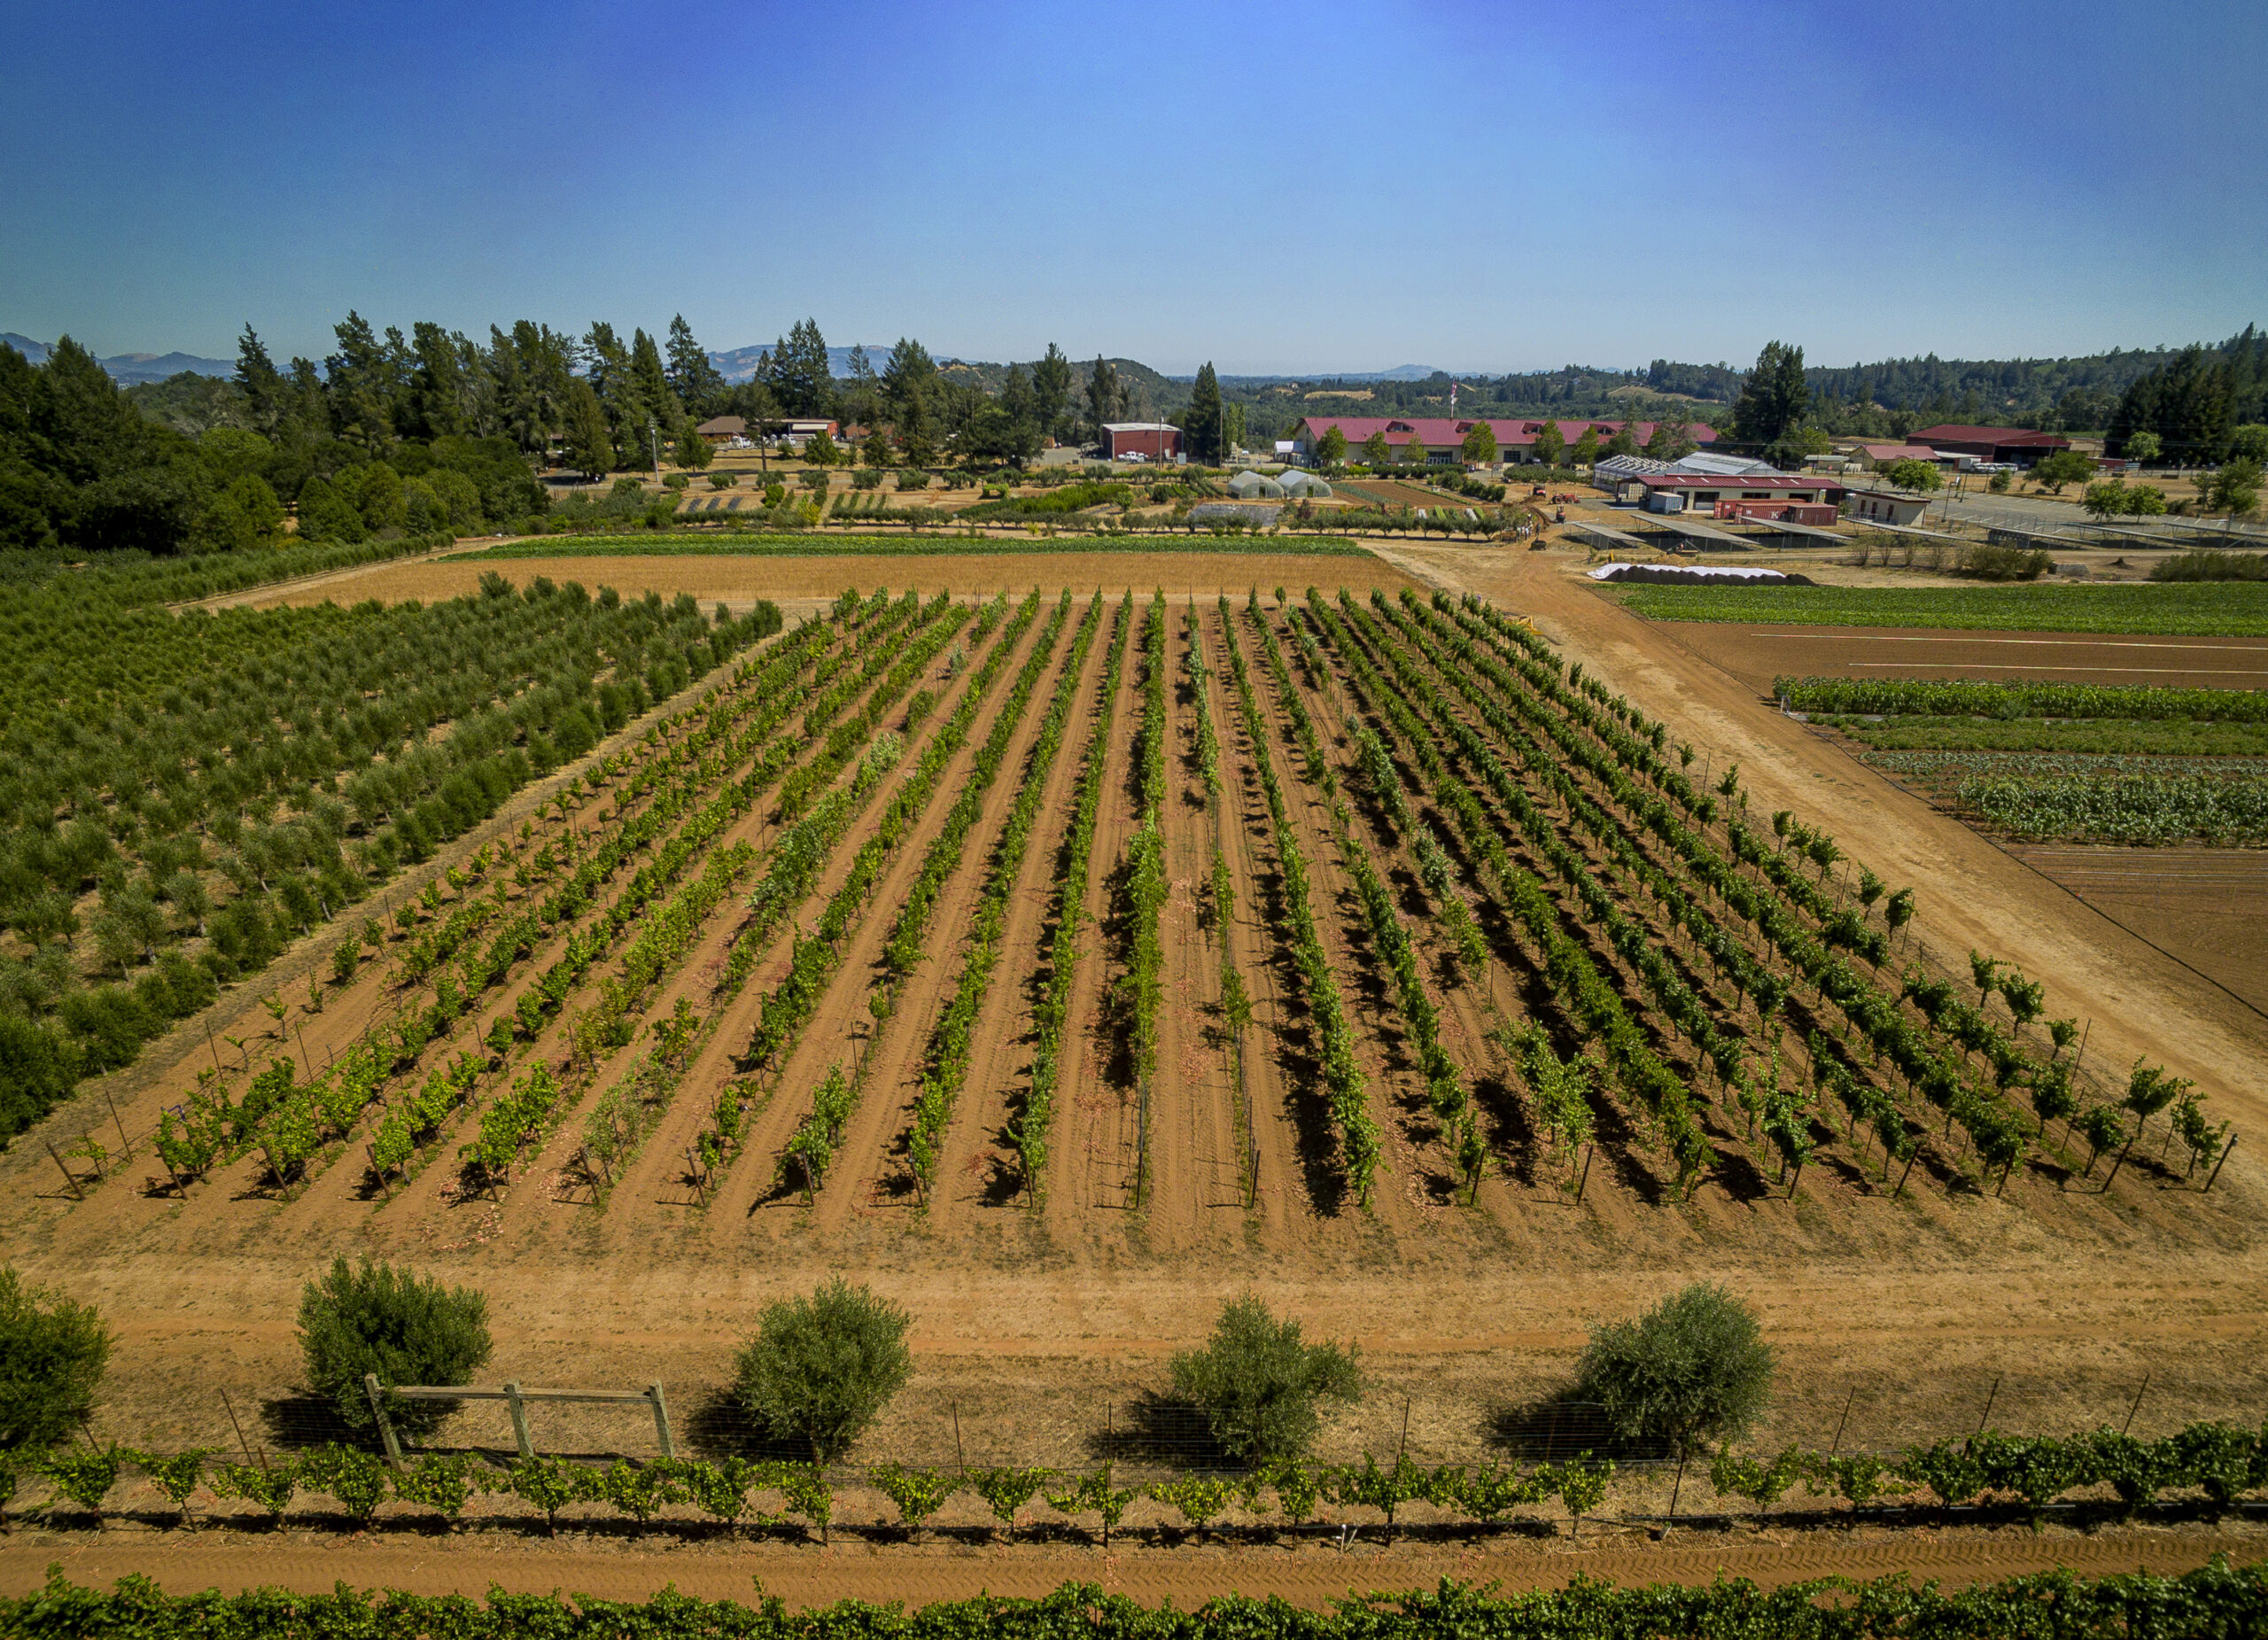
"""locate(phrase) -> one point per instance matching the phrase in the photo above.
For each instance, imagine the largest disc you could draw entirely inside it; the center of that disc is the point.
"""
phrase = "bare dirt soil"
(1310, 1574)
(2208, 908)
(804, 581)
(1033, 1331)
(1757, 654)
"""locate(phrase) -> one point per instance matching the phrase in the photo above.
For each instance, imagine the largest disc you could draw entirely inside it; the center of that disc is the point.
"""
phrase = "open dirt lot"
(2054, 1301)
(799, 583)
(2207, 906)
(1758, 654)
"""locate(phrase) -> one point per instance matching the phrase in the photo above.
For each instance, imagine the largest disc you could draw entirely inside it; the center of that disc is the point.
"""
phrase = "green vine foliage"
(2216, 1599)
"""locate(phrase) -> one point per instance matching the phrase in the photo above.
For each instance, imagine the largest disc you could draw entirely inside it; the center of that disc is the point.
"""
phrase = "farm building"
(723, 428)
(1442, 439)
(2019, 445)
(1880, 455)
(1622, 476)
(1148, 441)
(1676, 492)
(1888, 506)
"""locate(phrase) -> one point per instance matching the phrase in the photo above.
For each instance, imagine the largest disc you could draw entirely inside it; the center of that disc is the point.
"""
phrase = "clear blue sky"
(1481, 186)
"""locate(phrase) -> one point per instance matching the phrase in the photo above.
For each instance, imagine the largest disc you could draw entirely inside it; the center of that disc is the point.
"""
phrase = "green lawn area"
(2174, 609)
(907, 546)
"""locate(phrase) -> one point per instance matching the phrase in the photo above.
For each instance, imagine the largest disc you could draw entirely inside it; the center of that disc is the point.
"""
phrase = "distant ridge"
(127, 368)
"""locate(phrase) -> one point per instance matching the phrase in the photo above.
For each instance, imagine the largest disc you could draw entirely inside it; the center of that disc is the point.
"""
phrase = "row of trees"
(1692, 1374)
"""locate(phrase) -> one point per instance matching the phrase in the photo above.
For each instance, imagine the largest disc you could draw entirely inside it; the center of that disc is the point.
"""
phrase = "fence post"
(661, 1420)
(519, 1410)
(385, 1423)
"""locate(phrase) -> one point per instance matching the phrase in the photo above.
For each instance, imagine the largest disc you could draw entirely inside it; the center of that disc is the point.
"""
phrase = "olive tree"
(1258, 1384)
(389, 1321)
(52, 1352)
(1692, 1370)
(821, 1369)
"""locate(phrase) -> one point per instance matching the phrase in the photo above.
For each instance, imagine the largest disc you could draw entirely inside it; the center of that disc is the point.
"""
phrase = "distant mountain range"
(739, 365)
(127, 368)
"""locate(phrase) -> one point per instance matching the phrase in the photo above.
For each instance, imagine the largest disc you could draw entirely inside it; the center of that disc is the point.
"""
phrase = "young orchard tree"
(821, 1369)
(1259, 1385)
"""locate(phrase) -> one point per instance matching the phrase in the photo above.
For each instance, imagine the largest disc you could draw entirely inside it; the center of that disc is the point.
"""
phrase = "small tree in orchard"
(1258, 1384)
(52, 1352)
(389, 1321)
(1692, 1370)
(821, 1369)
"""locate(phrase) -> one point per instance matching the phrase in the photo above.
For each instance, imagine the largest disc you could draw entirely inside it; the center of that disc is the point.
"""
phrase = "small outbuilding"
(1887, 506)
(1302, 485)
(1256, 486)
(1148, 441)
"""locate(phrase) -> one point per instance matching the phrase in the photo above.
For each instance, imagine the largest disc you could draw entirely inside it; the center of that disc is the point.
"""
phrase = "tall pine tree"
(1202, 430)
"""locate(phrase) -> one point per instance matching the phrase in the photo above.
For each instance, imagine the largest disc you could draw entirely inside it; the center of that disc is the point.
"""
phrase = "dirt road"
(1309, 1575)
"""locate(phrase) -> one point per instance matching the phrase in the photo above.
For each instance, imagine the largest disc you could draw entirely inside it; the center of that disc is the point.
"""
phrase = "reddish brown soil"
(2206, 907)
(1310, 1574)
(1758, 654)
(710, 576)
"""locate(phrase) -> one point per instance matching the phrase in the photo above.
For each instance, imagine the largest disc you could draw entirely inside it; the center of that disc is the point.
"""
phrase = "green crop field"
(2217, 610)
(910, 546)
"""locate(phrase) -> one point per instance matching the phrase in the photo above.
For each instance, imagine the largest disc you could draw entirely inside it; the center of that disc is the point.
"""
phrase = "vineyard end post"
(661, 1420)
(519, 1410)
(2137, 1405)
(960, 1455)
(126, 1145)
(2216, 1173)
(379, 1410)
(2121, 1162)
(70, 1179)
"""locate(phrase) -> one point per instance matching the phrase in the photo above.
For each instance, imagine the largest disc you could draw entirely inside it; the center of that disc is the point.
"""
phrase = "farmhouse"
(2018, 445)
(1443, 438)
(1149, 441)
(723, 428)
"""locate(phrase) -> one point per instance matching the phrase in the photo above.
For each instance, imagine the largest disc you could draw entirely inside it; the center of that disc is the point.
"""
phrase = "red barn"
(2018, 445)
(1149, 441)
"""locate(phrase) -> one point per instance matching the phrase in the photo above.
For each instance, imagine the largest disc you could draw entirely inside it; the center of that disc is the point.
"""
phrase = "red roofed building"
(1443, 438)
(1883, 454)
(2019, 445)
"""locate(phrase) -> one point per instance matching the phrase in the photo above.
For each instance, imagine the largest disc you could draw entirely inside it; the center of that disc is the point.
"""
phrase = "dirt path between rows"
(1309, 1575)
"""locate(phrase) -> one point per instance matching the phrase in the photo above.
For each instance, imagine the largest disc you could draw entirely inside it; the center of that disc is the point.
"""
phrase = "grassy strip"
(751, 546)
(2176, 611)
